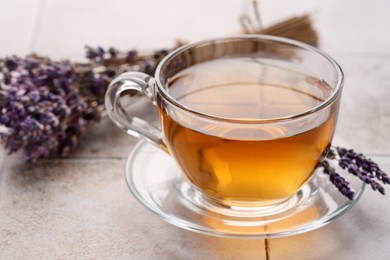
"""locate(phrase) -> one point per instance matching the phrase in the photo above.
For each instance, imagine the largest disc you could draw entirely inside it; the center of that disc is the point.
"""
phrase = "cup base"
(156, 181)
(195, 198)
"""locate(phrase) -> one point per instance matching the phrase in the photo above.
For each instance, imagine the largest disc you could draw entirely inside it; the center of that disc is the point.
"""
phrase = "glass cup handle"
(134, 82)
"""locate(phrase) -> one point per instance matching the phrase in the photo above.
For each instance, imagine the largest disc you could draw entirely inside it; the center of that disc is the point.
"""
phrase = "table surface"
(80, 207)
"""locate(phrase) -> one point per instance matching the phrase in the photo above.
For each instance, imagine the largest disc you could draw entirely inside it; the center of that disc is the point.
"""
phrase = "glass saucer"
(156, 181)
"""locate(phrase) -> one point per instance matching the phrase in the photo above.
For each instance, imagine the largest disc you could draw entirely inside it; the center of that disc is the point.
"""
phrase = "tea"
(250, 162)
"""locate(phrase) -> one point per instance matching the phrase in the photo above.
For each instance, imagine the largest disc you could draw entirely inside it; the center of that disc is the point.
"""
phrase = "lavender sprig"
(337, 180)
(46, 105)
(39, 107)
(357, 164)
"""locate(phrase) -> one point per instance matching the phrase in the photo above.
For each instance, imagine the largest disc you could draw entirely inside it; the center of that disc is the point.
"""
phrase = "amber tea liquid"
(237, 163)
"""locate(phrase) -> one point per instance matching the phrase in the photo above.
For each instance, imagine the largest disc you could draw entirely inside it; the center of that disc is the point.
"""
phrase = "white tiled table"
(80, 207)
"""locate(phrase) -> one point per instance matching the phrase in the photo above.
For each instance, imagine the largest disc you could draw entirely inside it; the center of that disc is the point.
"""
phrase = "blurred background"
(61, 28)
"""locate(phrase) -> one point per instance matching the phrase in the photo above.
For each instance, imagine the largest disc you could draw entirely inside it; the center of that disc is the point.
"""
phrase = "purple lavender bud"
(5, 120)
(10, 64)
(95, 54)
(325, 164)
(373, 168)
(344, 162)
(62, 112)
(113, 53)
(110, 72)
(164, 52)
(341, 151)
(365, 166)
(352, 169)
(373, 186)
(337, 180)
(376, 186)
(385, 179)
(6, 79)
(350, 195)
(381, 189)
(34, 96)
(366, 179)
(48, 118)
(380, 175)
(32, 125)
(99, 85)
(131, 56)
(148, 68)
(68, 145)
(100, 51)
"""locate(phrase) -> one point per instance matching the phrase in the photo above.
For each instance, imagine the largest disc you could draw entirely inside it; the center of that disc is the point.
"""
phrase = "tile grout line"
(361, 54)
(86, 158)
(377, 155)
(36, 25)
(267, 251)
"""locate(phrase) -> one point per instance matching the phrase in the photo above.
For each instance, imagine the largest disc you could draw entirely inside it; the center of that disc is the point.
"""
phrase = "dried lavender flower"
(357, 164)
(40, 108)
(113, 53)
(95, 54)
(131, 56)
(337, 180)
(46, 105)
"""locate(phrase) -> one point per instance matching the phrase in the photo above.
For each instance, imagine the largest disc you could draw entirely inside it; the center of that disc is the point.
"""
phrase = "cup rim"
(336, 93)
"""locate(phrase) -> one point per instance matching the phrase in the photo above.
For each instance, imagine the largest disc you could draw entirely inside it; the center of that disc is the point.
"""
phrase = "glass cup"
(246, 118)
